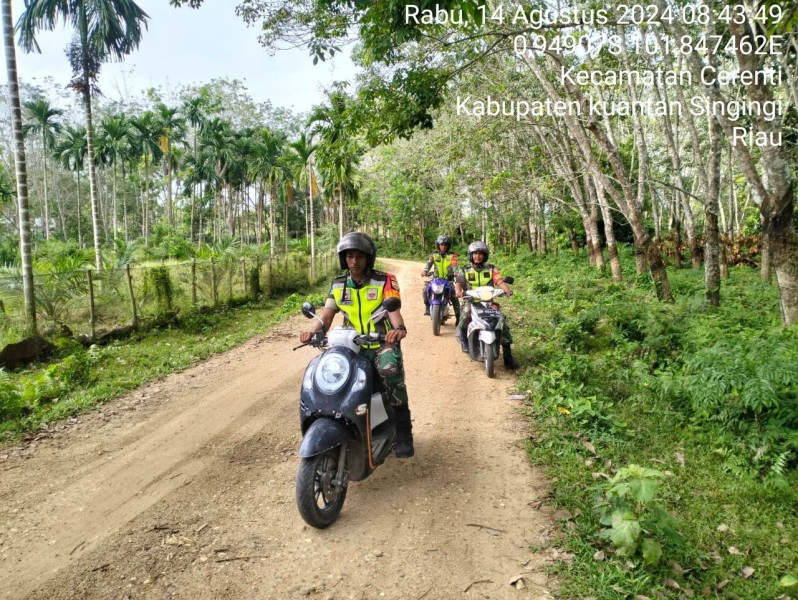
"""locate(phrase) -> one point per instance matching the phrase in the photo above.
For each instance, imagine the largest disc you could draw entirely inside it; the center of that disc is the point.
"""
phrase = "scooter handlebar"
(319, 340)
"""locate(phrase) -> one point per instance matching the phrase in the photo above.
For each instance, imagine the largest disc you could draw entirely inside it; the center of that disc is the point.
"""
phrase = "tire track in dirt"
(187, 489)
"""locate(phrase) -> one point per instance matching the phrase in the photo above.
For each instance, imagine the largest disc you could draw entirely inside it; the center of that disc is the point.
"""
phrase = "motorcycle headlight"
(332, 373)
(486, 294)
(437, 288)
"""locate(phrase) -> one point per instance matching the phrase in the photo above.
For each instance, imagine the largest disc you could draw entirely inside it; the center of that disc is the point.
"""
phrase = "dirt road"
(185, 489)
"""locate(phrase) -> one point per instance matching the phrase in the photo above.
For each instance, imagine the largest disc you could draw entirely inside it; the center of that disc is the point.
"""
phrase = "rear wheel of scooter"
(489, 360)
(435, 315)
(318, 502)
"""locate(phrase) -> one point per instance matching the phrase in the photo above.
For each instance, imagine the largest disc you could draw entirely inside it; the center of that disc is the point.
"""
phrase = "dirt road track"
(185, 489)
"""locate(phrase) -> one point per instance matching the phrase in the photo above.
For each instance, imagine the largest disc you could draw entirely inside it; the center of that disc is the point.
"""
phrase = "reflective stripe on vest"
(359, 304)
(476, 278)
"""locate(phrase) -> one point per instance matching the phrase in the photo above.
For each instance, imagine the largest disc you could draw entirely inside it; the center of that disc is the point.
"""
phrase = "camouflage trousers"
(465, 319)
(387, 361)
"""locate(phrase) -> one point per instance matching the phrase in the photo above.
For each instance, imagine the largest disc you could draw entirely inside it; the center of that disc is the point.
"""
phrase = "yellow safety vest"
(443, 262)
(358, 304)
(478, 277)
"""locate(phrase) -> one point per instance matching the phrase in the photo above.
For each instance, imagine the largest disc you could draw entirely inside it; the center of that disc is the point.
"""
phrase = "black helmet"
(444, 239)
(356, 241)
(478, 247)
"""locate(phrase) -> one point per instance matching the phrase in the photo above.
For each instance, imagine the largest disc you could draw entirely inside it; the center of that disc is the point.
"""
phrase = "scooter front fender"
(322, 435)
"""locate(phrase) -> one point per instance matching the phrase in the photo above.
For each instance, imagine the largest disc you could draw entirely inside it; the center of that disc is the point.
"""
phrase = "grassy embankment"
(670, 431)
(77, 379)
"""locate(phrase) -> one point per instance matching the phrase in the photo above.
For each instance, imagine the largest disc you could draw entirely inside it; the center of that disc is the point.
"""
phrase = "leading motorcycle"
(439, 294)
(484, 333)
(348, 428)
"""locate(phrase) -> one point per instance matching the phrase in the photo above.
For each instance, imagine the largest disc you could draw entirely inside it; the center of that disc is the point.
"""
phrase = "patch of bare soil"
(184, 488)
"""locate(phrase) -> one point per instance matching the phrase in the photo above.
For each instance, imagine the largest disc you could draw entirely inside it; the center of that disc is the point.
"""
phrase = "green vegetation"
(669, 429)
(80, 378)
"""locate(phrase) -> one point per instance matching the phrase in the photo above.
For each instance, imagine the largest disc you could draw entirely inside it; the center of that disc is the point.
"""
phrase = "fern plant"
(10, 398)
(748, 384)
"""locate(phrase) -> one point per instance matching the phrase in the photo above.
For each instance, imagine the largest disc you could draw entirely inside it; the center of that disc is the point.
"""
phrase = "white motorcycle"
(486, 328)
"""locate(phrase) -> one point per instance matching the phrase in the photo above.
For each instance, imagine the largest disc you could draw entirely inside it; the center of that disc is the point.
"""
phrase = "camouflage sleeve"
(428, 266)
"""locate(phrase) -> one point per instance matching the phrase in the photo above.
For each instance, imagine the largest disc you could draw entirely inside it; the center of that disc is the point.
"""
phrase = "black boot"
(509, 361)
(426, 310)
(404, 432)
(461, 338)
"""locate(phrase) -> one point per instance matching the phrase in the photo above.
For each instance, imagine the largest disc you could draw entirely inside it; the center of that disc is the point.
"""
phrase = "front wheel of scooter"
(489, 360)
(318, 501)
(435, 313)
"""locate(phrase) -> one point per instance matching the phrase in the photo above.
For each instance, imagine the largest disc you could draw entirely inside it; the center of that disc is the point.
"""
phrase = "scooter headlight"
(437, 288)
(486, 294)
(332, 373)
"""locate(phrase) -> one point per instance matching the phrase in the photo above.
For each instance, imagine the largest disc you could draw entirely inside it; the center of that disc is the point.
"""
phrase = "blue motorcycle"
(439, 292)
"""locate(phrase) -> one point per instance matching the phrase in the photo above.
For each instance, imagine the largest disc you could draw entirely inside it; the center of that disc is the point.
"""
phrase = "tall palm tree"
(173, 129)
(339, 151)
(42, 120)
(218, 142)
(147, 146)
(199, 174)
(21, 170)
(105, 29)
(268, 166)
(338, 166)
(195, 112)
(71, 150)
(303, 151)
(114, 138)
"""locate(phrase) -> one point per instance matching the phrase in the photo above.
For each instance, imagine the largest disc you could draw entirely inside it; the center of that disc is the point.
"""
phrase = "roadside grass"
(669, 431)
(79, 379)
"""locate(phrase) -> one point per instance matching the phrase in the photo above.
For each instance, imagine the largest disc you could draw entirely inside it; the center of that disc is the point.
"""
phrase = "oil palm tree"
(338, 165)
(42, 120)
(20, 168)
(105, 29)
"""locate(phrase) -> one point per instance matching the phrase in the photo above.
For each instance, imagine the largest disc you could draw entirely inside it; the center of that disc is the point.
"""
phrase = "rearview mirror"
(308, 310)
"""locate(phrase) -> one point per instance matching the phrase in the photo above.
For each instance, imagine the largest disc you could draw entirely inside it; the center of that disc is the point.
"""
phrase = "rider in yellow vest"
(357, 294)
(445, 264)
(476, 273)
